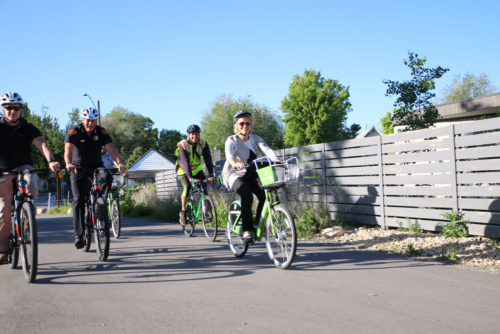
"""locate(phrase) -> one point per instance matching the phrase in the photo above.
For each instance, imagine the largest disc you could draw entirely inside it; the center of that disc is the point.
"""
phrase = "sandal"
(247, 237)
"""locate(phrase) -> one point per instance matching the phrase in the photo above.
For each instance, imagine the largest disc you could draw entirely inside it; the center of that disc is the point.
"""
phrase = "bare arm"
(115, 155)
(42, 146)
(68, 155)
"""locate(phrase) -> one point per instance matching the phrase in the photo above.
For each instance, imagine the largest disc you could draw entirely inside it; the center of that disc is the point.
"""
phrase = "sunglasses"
(10, 108)
(244, 123)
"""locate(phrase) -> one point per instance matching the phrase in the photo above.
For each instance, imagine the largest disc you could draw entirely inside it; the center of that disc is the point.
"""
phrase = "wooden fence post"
(381, 180)
(453, 162)
(325, 183)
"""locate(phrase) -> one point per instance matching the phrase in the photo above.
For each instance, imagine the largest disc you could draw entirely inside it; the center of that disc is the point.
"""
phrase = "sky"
(170, 60)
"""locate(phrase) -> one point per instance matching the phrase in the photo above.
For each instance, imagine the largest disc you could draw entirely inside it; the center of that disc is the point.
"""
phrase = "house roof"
(152, 161)
(370, 132)
(479, 106)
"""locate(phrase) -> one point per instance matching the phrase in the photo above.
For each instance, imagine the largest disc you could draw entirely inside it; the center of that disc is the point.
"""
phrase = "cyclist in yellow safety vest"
(191, 154)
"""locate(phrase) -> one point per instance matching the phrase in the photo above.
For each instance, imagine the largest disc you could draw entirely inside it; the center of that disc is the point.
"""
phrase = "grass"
(59, 210)
(451, 255)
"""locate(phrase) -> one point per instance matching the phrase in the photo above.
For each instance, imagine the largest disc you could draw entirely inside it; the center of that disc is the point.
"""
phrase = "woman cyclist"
(241, 149)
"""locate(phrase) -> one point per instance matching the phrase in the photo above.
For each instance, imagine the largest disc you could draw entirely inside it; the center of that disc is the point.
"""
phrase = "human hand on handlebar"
(54, 166)
(211, 179)
(239, 165)
(71, 168)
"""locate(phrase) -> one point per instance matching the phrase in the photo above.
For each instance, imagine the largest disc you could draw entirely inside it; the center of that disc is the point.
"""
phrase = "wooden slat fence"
(407, 177)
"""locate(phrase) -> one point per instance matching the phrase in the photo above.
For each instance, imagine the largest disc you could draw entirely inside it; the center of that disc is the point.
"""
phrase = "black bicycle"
(23, 233)
(96, 220)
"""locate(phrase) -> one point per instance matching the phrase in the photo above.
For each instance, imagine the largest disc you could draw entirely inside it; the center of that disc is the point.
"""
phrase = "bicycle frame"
(201, 189)
(272, 199)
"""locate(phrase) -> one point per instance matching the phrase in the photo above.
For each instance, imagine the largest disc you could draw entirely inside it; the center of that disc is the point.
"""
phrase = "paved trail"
(158, 281)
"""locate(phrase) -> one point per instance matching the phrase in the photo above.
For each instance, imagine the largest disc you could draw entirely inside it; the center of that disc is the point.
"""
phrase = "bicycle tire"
(281, 236)
(209, 219)
(14, 246)
(101, 229)
(236, 242)
(87, 229)
(115, 218)
(189, 227)
(29, 241)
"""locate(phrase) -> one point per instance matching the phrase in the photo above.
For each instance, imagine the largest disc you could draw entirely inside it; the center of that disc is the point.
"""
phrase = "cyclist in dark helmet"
(242, 148)
(191, 154)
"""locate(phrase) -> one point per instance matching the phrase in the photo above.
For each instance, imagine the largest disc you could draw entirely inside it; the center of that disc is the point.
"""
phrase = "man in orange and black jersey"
(82, 154)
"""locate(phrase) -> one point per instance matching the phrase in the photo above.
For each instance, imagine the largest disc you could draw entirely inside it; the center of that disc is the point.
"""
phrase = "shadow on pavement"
(196, 259)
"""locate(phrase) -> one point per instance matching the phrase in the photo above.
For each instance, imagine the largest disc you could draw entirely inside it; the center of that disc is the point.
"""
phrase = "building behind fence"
(393, 180)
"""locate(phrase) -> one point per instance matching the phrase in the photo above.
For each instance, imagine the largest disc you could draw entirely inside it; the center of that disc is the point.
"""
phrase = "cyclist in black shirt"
(16, 137)
(82, 154)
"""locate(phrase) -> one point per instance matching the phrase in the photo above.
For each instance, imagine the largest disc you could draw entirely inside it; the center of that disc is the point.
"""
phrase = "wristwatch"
(52, 159)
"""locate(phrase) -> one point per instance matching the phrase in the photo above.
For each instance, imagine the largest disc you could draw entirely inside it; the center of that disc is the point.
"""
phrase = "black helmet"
(193, 128)
(241, 113)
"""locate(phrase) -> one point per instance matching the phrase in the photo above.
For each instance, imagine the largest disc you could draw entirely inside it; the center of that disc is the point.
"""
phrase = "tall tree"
(413, 106)
(49, 127)
(131, 132)
(74, 118)
(467, 87)
(386, 123)
(167, 141)
(217, 123)
(316, 111)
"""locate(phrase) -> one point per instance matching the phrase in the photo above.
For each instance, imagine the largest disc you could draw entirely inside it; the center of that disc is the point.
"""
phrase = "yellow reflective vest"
(195, 158)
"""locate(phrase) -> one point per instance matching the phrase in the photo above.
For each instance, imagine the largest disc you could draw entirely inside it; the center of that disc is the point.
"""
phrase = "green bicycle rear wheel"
(234, 234)
(189, 227)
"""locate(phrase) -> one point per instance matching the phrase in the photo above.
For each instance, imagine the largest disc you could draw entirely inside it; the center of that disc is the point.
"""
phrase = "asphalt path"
(156, 280)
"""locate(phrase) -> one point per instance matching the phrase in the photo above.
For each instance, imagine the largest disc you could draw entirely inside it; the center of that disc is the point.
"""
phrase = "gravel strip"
(478, 252)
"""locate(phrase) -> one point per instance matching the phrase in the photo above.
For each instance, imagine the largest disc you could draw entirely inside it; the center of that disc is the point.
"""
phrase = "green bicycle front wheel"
(209, 219)
(281, 236)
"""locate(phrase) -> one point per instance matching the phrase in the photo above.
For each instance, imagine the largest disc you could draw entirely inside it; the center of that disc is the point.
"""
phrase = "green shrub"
(411, 250)
(309, 220)
(457, 225)
(411, 227)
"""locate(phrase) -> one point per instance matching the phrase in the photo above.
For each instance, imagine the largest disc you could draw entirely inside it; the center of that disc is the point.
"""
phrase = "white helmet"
(89, 113)
(11, 97)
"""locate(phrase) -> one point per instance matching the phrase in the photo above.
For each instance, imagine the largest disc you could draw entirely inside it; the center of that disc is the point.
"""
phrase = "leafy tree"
(167, 141)
(467, 87)
(217, 123)
(387, 124)
(413, 107)
(49, 127)
(132, 133)
(74, 118)
(316, 111)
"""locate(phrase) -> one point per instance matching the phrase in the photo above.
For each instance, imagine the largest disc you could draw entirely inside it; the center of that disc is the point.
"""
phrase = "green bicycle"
(276, 221)
(200, 206)
(113, 200)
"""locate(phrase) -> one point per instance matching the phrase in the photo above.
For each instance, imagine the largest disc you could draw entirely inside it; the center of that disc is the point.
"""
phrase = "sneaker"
(79, 242)
(182, 217)
(4, 258)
